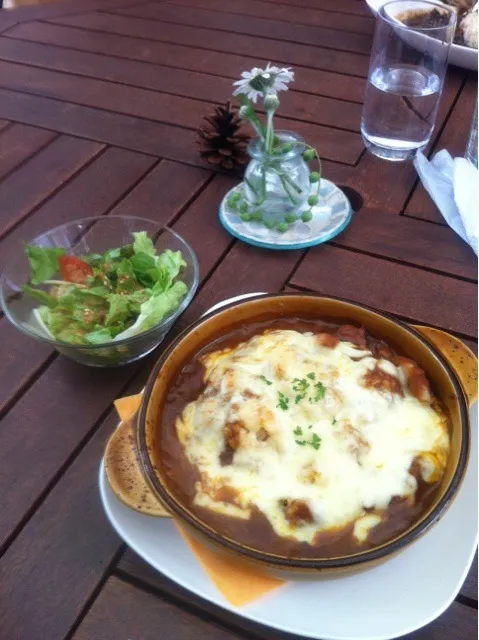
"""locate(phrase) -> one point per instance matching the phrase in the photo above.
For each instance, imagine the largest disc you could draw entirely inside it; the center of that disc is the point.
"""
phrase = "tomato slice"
(74, 269)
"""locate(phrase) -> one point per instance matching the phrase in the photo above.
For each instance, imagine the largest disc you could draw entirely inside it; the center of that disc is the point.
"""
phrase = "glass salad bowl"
(107, 243)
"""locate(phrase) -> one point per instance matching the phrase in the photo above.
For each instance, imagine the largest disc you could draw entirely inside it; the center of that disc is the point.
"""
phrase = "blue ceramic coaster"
(331, 215)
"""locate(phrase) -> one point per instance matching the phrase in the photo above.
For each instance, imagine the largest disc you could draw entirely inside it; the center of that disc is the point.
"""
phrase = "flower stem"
(253, 119)
(285, 187)
(269, 132)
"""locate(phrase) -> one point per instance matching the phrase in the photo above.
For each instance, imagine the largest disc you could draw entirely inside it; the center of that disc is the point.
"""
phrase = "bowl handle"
(459, 357)
(122, 467)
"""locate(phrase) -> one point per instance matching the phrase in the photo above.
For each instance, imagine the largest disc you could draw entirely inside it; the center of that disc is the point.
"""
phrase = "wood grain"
(18, 143)
(127, 610)
(22, 359)
(284, 52)
(415, 242)
(217, 13)
(38, 178)
(318, 109)
(395, 288)
(9, 19)
(255, 18)
(189, 59)
(163, 192)
(132, 568)
(59, 557)
(153, 138)
(343, 6)
(180, 110)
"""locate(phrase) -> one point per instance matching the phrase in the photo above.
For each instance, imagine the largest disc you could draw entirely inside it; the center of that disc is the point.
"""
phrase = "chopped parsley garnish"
(283, 401)
(301, 387)
(264, 379)
(315, 441)
(334, 421)
(320, 391)
(311, 376)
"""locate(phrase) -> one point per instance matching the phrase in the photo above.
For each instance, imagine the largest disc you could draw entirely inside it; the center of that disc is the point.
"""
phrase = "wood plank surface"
(213, 13)
(276, 51)
(342, 6)
(410, 241)
(8, 19)
(362, 278)
(124, 609)
(51, 571)
(251, 17)
(299, 106)
(38, 178)
(22, 359)
(19, 143)
(190, 59)
(179, 110)
(128, 132)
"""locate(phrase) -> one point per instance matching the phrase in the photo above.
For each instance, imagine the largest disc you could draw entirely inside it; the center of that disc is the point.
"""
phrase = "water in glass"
(406, 75)
(399, 110)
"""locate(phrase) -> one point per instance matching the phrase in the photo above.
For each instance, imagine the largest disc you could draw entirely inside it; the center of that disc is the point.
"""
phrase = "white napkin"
(452, 184)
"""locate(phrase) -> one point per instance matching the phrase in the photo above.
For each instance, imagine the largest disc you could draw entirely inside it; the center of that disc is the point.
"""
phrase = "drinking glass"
(471, 149)
(406, 76)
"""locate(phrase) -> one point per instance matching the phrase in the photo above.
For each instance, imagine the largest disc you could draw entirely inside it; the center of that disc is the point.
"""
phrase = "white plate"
(460, 56)
(396, 598)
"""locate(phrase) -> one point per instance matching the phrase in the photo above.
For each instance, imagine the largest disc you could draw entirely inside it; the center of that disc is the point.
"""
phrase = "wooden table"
(99, 102)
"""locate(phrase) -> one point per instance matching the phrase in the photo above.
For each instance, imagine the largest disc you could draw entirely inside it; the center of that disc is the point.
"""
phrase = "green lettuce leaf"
(98, 336)
(144, 268)
(40, 295)
(125, 277)
(119, 309)
(154, 310)
(43, 262)
(158, 307)
(142, 243)
(168, 266)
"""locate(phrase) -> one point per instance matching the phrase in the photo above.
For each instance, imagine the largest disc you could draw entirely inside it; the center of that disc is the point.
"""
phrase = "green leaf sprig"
(314, 442)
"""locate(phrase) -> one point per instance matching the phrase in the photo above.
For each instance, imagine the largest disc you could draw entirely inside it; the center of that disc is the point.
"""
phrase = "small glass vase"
(278, 183)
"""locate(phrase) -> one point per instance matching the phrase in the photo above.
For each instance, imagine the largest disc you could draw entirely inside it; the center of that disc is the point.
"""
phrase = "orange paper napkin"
(239, 583)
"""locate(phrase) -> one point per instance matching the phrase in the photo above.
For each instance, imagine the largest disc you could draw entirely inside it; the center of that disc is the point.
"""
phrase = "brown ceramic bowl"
(400, 336)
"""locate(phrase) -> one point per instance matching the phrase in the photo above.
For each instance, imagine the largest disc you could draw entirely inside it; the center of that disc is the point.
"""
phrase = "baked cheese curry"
(303, 438)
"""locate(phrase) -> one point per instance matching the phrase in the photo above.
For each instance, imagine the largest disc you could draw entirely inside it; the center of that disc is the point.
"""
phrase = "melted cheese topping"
(310, 446)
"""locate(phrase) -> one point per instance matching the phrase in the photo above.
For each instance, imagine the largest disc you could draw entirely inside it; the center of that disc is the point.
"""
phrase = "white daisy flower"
(259, 82)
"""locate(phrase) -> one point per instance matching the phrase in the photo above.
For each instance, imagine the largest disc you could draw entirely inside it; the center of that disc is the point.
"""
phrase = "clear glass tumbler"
(406, 75)
(471, 149)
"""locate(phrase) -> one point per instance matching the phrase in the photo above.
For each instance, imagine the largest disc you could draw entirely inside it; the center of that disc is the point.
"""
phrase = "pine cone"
(221, 142)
